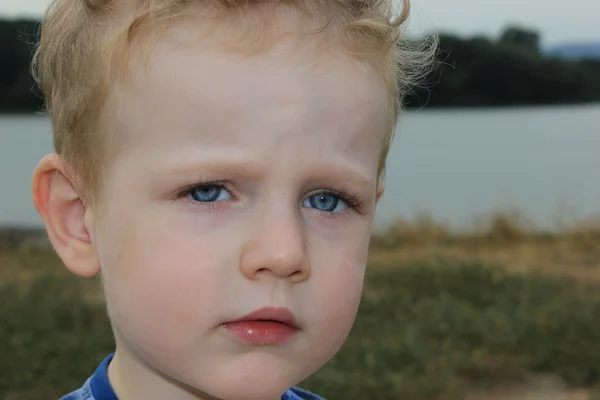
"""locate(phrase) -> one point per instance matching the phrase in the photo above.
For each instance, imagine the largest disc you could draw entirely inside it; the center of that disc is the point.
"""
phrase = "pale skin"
(288, 135)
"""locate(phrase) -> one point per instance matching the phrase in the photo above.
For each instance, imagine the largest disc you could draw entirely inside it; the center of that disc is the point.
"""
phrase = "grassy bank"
(442, 314)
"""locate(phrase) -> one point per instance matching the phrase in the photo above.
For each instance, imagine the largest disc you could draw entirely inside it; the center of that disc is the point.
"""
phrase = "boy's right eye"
(209, 193)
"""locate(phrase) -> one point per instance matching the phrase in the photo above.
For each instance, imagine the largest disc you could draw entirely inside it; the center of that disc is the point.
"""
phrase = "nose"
(276, 246)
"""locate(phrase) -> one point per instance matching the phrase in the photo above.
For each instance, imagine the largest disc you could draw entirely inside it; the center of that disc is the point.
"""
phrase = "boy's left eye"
(209, 193)
(327, 202)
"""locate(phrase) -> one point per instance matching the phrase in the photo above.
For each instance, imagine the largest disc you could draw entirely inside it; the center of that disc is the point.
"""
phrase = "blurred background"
(484, 274)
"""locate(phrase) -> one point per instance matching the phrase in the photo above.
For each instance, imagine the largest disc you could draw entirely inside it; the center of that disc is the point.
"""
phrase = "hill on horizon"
(576, 51)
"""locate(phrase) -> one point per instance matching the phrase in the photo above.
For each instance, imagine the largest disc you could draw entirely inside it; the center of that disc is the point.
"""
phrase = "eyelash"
(351, 200)
(186, 191)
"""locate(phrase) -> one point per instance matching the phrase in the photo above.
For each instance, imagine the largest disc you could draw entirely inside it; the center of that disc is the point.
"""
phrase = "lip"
(282, 315)
(267, 326)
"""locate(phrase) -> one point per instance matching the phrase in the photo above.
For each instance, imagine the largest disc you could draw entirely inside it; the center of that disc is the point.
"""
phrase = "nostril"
(299, 275)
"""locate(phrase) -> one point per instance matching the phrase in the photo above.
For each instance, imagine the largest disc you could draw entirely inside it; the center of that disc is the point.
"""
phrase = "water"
(453, 164)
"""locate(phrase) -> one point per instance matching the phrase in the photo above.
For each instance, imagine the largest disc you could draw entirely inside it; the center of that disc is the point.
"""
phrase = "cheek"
(339, 293)
(339, 268)
(158, 282)
(340, 297)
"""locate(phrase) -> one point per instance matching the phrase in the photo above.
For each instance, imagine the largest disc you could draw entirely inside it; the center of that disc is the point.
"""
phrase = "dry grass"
(572, 250)
(499, 227)
(560, 257)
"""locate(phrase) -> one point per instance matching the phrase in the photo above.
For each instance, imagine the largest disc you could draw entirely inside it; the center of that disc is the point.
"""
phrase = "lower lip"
(261, 332)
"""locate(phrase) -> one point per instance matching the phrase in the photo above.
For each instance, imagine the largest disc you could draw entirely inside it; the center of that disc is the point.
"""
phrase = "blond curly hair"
(84, 44)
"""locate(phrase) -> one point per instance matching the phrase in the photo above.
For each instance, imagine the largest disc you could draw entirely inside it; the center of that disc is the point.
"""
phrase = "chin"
(248, 381)
(237, 390)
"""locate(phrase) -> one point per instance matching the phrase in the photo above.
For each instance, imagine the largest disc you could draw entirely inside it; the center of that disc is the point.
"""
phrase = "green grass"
(427, 331)
(423, 332)
(50, 340)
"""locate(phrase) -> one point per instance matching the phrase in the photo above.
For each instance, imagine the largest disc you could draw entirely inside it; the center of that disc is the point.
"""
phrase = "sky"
(558, 21)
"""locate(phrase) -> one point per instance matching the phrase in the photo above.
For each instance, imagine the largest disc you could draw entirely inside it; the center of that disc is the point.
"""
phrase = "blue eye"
(327, 202)
(209, 193)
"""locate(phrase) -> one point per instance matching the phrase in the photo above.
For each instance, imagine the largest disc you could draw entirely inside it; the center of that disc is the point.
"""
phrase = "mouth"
(267, 326)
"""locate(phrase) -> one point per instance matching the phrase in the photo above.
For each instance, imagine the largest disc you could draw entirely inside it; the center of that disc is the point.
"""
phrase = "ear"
(66, 218)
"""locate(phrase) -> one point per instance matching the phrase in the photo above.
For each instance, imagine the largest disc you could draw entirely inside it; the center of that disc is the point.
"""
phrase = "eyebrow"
(247, 170)
(250, 170)
(329, 171)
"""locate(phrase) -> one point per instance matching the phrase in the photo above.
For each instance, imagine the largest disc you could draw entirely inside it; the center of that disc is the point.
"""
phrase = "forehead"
(192, 89)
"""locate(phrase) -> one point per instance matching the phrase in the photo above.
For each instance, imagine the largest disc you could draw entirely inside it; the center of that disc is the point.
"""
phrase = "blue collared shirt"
(97, 387)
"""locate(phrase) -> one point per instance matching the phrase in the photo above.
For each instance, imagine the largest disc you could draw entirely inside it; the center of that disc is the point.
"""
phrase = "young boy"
(219, 163)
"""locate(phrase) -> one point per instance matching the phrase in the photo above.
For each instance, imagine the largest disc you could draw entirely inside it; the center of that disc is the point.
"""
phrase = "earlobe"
(65, 217)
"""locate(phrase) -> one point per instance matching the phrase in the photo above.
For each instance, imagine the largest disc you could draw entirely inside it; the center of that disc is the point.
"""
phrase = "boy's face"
(284, 149)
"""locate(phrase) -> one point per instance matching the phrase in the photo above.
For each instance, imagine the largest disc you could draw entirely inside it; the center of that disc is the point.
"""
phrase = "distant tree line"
(511, 70)
(17, 91)
(474, 72)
